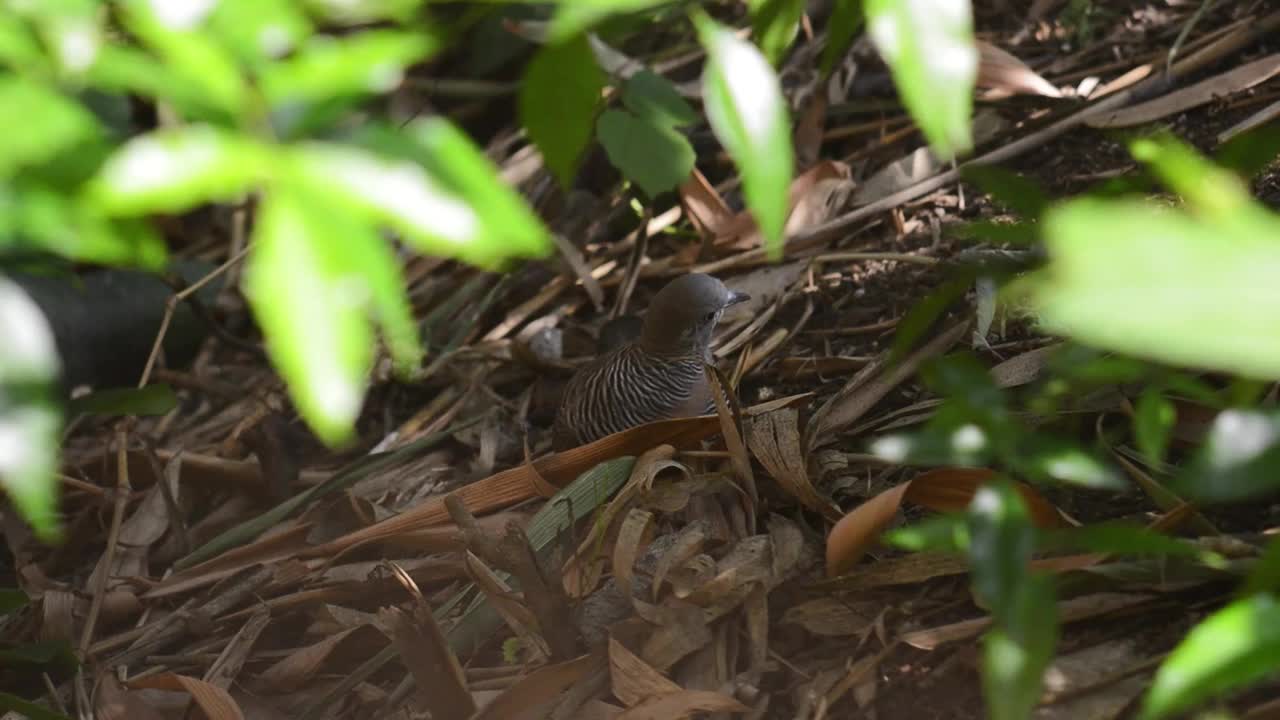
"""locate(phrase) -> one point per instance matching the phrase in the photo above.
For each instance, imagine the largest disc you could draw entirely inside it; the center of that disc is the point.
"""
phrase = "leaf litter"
(726, 565)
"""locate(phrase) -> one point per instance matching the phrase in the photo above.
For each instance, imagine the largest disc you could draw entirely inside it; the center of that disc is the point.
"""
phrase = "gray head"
(683, 314)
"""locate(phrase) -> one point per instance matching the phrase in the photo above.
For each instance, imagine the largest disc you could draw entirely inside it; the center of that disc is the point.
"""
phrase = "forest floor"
(324, 609)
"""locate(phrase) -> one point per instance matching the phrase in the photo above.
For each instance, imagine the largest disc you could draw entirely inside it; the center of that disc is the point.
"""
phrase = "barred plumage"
(659, 376)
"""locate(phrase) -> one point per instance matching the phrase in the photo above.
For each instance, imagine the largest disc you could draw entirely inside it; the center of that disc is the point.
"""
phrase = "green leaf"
(1001, 543)
(847, 18)
(1265, 574)
(655, 157)
(311, 303)
(1045, 456)
(1209, 300)
(574, 17)
(30, 421)
(1012, 190)
(30, 710)
(53, 222)
(149, 400)
(1018, 649)
(359, 12)
(928, 45)
(558, 101)
(177, 169)
(1249, 153)
(370, 62)
(1205, 186)
(511, 227)
(1240, 459)
(11, 600)
(260, 30)
(744, 104)
(774, 24)
(655, 99)
(1119, 538)
(19, 48)
(1232, 648)
(1153, 420)
(48, 124)
(941, 533)
(1004, 233)
(125, 69)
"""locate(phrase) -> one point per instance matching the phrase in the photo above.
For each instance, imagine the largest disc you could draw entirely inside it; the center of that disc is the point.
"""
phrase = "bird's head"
(683, 314)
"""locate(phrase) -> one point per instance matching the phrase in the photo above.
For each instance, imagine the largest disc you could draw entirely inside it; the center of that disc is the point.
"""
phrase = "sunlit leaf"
(325, 68)
(655, 99)
(574, 17)
(654, 157)
(1205, 294)
(1048, 457)
(260, 30)
(1240, 459)
(171, 29)
(941, 533)
(847, 18)
(311, 304)
(744, 104)
(1205, 186)
(177, 169)
(30, 421)
(55, 223)
(774, 24)
(1232, 648)
(150, 400)
(928, 45)
(557, 104)
(47, 124)
(354, 12)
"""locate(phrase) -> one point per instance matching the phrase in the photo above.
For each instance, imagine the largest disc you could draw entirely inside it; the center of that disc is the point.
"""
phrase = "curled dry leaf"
(636, 532)
(633, 680)
(1004, 73)
(774, 438)
(301, 666)
(943, 489)
(688, 542)
(216, 703)
(832, 616)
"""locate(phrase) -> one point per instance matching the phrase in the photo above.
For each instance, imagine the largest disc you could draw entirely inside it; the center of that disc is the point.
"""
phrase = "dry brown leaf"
(688, 543)
(216, 703)
(683, 704)
(1001, 71)
(531, 695)
(1228, 83)
(112, 702)
(633, 680)
(517, 617)
(704, 207)
(831, 616)
(1022, 369)
(943, 489)
(898, 175)
(301, 666)
(422, 647)
(810, 129)
(634, 535)
(774, 438)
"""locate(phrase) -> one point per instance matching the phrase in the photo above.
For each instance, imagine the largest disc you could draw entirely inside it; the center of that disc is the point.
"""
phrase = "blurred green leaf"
(1265, 574)
(847, 18)
(48, 123)
(774, 24)
(12, 599)
(950, 437)
(924, 313)
(53, 656)
(1018, 649)
(1010, 189)
(1001, 542)
(149, 400)
(177, 169)
(1041, 455)
(124, 69)
(1153, 420)
(260, 30)
(1206, 187)
(30, 421)
(325, 68)
(53, 222)
(1003, 233)
(574, 17)
(653, 98)
(964, 380)
(655, 157)
(19, 47)
(743, 102)
(173, 32)
(1120, 538)
(513, 230)
(311, 302)
(1249, 153)
(928, 45)
(30, 710)
(358, 12)
(940, 533)
(1240, 459)
(558, 101)
(1204, 297)
(1232, 648)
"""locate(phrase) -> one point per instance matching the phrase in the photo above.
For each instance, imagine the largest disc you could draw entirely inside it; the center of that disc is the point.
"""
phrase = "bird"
(658, 375)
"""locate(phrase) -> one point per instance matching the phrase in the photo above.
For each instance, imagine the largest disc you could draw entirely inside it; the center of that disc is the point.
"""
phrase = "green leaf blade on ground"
(928, 45)
(744, 104)
(177, 169)
(311, 305)
(30, 420)
(558, 101)
(1164, 285)
(654, 157)
(1232, 648)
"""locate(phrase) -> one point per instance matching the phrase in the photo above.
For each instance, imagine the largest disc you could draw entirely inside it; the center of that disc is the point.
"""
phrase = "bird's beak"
(736, 297)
